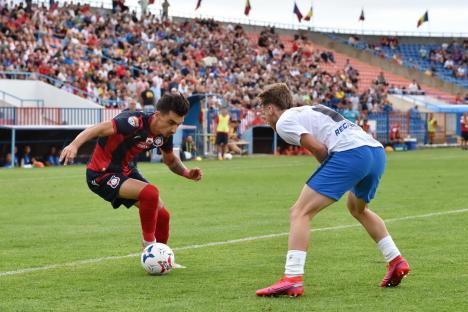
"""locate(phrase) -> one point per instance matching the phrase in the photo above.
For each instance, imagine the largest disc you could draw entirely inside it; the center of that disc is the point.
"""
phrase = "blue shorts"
(357, 170)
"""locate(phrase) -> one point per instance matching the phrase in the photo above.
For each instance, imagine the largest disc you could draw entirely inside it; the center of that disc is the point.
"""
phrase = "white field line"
(221, 243)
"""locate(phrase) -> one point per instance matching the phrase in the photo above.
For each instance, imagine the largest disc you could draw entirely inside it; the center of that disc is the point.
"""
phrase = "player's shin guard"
(149, 198)
(162, 226)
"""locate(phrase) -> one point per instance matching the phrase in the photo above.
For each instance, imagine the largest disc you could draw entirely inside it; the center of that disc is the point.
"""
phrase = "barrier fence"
(382, 125)
(51, 116)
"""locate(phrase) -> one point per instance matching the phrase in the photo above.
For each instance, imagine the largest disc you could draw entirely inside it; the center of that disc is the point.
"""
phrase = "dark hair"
(277, 94)
(176, 103)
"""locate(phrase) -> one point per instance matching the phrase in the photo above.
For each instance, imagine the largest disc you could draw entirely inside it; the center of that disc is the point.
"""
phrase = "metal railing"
(64, 85)
(51, 116)
(8, 97)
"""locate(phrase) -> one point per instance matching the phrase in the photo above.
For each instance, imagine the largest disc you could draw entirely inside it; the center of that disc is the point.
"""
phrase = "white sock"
(295, 261)
(388, 248)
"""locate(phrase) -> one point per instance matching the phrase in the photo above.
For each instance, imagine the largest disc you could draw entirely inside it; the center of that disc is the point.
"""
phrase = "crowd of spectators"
(118, 57)
(28, 158)
(453, 56)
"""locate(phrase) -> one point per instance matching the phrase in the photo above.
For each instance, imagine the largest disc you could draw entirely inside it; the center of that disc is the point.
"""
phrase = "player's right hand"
(68, 154)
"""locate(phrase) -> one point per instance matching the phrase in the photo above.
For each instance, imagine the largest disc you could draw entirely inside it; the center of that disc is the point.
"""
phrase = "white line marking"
(222, 243)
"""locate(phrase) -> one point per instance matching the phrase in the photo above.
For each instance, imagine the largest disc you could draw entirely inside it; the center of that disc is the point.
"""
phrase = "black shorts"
(107, 185)
(465, 135)
(221, 138)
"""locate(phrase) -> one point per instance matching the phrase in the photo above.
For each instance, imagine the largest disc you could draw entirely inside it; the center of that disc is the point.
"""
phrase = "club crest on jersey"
(158, 141)
(133, 121)
(113, 181)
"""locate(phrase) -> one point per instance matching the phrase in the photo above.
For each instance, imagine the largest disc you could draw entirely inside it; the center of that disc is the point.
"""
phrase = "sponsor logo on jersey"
(343, 127)
(158, 141)
(113, 181)
(133, 121)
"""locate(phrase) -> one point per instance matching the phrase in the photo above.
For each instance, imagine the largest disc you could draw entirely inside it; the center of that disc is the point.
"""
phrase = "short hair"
(176, 103)
(277, 94)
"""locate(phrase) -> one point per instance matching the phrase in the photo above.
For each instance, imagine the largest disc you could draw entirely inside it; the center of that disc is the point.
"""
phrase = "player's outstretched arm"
(175, 164)
(69, 152)
(318, 149)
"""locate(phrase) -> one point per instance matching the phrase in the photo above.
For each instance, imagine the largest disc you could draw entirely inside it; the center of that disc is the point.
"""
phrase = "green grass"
(48, 216)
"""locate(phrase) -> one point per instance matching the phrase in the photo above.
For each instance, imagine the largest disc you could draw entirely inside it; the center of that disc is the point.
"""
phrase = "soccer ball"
(227, 156)
(157, 259)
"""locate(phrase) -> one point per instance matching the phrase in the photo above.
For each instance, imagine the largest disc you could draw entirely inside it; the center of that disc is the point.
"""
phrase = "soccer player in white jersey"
(351, 160)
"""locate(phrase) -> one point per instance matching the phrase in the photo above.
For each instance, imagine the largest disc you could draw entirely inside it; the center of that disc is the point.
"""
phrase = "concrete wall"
(52, 96)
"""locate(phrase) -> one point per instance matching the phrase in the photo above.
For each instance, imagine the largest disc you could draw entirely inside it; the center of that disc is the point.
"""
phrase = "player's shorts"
(358, 170)
(107, 185)
(465, 135)
(221, 138)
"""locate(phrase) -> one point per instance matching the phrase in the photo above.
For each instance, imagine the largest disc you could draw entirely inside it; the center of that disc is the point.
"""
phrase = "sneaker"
(291, 286)
(397, 269)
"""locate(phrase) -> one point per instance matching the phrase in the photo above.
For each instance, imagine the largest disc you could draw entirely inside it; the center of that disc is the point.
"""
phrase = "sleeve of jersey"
(290, 131)
(167, 146)
(127, 125)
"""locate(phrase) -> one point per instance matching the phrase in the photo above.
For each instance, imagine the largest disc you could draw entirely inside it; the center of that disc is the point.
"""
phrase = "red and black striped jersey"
(132, 135)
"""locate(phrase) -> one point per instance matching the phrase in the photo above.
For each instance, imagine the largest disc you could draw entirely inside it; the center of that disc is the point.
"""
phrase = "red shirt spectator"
(121, 71)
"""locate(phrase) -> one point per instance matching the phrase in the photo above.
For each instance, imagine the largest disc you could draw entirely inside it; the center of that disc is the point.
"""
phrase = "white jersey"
(324, 124)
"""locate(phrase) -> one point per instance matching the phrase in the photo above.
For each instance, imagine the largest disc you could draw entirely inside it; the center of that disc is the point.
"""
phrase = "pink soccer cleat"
(290, 286)
(397, 269)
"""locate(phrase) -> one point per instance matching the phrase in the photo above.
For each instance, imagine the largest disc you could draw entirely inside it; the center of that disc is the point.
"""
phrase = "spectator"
(27, 161)
(464, 131)
(222, 132)
(52, 158)
(414, 88)
(395, 135)
(414, 112)
(381, 79)
(234, 143)
(147, 98)
(431, 128)
(189, 150)
(133, 105)
(165, 10)
(351, 114)
(8, 160)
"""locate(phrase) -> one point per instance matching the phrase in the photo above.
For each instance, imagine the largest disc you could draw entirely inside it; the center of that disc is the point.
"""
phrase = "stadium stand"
(447, 61)
(111, 58)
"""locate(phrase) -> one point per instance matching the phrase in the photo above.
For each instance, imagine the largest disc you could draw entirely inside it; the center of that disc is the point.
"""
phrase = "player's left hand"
(195, 174)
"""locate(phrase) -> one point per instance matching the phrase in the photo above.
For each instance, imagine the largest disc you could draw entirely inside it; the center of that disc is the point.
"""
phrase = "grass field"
(49, 220)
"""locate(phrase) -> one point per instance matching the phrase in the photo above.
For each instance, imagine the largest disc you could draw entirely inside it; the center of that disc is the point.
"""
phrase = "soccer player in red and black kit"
(110, 173)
